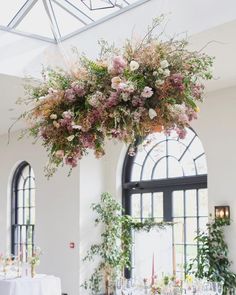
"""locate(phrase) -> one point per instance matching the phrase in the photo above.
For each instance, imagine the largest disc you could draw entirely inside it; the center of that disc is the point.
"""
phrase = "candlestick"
(153, 270)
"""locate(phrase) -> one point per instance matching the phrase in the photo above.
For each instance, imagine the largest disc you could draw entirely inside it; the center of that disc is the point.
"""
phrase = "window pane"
(202, 224)
(20, 216)
(191, 202)
(201, 165)
(196, 147)
(32, 215)
(178, 203)
(175, 148)
(27, 216)
(174, 168)
(178, 230)
(27, 198)
(191, 253)
(147, 205)
(20, 198)
(179, 254)
(191, 230)
(158, 205)
(188, 164)
(203, 202)
(135, 206)
(147, 169)
(160, 170)
(136, 172)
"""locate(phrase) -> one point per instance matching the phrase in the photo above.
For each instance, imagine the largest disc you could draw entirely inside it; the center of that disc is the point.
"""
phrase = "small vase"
(33, 271)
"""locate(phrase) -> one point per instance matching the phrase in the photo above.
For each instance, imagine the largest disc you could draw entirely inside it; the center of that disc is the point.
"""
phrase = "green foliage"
(212, 261)
(115, 247)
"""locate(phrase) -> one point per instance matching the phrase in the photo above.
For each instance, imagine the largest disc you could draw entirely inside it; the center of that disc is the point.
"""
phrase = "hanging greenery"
(147, 86)
(114, 250)
(212, 261)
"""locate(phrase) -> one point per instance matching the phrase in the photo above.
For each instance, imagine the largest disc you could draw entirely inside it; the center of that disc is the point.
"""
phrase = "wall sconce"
(222, 212)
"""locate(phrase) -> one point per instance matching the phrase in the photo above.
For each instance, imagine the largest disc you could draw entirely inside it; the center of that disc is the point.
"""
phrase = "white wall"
(63, 204)
(216, 128)
(57, 211)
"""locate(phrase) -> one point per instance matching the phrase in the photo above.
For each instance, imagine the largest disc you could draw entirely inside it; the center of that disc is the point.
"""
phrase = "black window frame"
(167, 186)
(16, 227)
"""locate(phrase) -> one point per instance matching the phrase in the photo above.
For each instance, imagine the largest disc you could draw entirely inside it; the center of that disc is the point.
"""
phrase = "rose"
(115, 82)
(134, 65)
(164, 64)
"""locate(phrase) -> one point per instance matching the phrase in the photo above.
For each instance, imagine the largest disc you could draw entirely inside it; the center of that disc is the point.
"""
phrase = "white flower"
(56, 124)
(67, 115)
(147, 92)
(152, 113)
(53, 116)
(159, 82)
(125, 96)
(164, 64)
(78, 127)
(155, 73)
(70, 138)
(166, 73)
(134, 65)
(160, 71)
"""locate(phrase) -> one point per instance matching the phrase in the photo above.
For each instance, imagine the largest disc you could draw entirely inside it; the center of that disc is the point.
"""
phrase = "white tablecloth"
(40, 285)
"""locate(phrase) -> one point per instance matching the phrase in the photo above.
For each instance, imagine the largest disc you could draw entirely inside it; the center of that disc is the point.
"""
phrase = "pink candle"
(153, 270)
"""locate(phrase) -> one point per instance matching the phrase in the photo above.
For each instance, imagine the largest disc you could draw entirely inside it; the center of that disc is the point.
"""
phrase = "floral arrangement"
(34, 259)
(147, 86)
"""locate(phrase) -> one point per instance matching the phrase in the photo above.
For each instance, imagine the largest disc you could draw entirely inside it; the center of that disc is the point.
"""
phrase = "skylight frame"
(22, 13)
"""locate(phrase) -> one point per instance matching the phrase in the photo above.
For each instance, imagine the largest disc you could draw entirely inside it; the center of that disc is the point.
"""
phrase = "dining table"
(39, 285)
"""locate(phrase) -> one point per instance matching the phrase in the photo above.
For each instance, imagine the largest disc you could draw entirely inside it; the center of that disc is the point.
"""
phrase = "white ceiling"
(205, 21)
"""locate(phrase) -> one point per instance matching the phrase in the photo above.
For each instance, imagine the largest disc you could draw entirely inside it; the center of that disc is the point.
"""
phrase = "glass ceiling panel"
(57, 20)
(9, 9)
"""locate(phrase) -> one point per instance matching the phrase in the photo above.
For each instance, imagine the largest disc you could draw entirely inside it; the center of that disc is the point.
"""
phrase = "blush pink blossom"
(147, 92)
(118, 65)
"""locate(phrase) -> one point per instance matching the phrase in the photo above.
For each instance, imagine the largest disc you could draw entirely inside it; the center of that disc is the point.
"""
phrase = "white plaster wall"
(216, 128)
(57, 211)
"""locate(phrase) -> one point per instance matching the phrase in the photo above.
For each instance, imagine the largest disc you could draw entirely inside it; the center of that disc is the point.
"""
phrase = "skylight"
(57, 20)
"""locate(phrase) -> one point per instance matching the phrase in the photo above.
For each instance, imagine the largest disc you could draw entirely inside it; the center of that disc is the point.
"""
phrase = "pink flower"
(87, 140)
(60, 154)
(147, 92)
(177, 81)
(118, 65)
(138, 101)
(197, 90)
(115, 82)
(71, 161)
(78, 89)
(112, 100)
(181, 133)
(70, 95)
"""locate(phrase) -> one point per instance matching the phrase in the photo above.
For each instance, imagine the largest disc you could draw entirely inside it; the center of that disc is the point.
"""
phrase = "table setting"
(18, 276)
(168, 286)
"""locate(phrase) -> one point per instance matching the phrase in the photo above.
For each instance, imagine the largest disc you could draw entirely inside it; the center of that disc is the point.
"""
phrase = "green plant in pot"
(212, 261)
(114, 249)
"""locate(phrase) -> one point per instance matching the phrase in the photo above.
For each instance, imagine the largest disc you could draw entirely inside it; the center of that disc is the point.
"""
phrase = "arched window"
(23, 211)
(167, 180)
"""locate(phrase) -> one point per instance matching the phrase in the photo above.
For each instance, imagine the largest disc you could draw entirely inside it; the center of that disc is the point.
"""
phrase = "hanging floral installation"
(145, 87)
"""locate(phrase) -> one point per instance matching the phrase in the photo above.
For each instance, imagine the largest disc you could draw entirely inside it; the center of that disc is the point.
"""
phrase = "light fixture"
(222, 212)
(99, 4)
